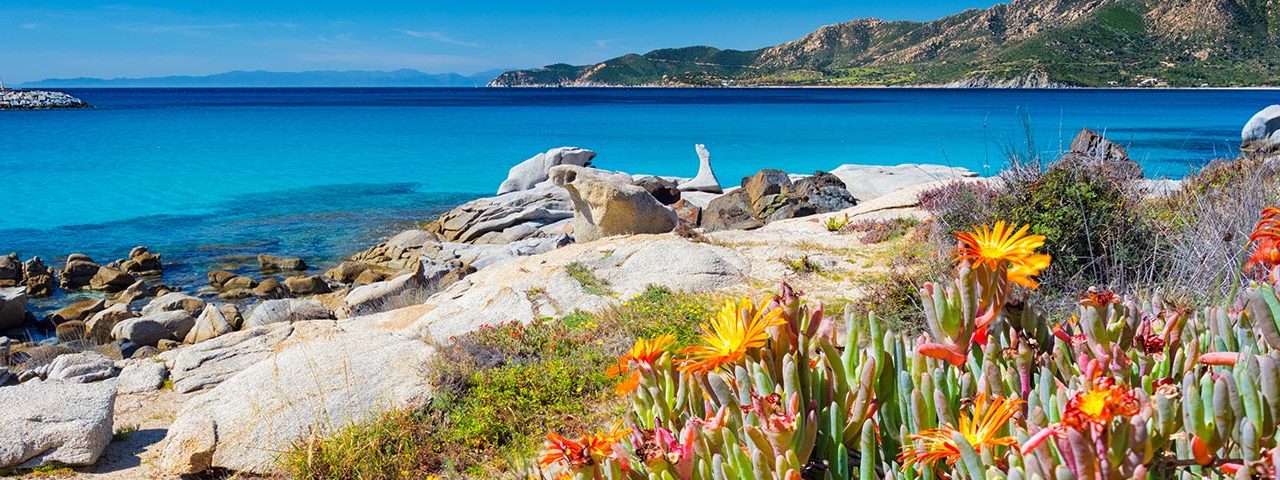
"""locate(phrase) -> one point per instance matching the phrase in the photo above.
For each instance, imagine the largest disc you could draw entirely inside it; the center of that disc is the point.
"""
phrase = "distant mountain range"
(1025, 43)
(395, 78)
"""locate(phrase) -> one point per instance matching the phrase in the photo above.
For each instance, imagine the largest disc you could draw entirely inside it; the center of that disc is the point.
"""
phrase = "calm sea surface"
(206, 176)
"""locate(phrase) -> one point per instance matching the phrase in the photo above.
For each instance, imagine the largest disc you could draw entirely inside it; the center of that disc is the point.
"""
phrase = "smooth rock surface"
(84, 367)
(174, 301)
(528, 288)
(412, 288)
(1262, 131)
(151, 329)
(13, 307)
(606, 204)
(287, 310)
(142, 377)
(867, 182)
(505, 218)
(209, 325)
(47, 422)
(535, 170)
(206, 364)
(326, 377)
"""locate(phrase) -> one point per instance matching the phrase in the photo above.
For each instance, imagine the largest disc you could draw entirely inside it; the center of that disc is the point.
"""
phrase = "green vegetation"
(1115, 43)
(586, 277)
(499, 389)
(121, 434)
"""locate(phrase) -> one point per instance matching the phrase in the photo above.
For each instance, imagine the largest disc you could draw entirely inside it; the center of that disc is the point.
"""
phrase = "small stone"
(109, 279)
(142, 377)
(73, 331)
(270, 289)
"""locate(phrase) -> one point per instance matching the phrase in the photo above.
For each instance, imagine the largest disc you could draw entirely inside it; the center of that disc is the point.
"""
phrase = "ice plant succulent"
(643, 354)
(1101, 401)
(737, 328)
(981, 429)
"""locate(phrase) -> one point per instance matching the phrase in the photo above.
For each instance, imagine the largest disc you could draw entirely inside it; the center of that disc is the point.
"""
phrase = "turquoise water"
(205, 176)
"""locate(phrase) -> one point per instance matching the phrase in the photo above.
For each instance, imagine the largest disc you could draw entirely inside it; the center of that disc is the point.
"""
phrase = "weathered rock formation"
(525, 175)
(607, 204)
(1262, 132)
(314, 382)
(706, 180)
(54, 422)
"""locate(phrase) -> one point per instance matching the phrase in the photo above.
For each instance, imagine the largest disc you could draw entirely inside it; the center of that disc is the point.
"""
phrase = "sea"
(209, 178)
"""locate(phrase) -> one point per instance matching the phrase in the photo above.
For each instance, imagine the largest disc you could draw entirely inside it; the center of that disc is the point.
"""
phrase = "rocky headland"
(38, 100)
(224, 376)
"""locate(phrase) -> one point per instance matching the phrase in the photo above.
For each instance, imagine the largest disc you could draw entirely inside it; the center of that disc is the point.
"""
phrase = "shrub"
(881, 230)
(1208, 219)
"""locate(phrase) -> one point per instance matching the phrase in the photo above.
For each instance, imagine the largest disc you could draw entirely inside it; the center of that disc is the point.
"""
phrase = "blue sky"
(72, 38)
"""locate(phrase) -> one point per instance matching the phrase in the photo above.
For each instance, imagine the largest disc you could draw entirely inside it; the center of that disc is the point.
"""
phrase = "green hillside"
(1179, 43)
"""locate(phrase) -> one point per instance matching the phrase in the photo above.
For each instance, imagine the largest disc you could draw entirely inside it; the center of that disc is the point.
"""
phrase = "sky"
(82, 38)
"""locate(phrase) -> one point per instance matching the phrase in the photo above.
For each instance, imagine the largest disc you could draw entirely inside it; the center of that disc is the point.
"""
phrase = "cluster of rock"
(318, 351)
(38, 100)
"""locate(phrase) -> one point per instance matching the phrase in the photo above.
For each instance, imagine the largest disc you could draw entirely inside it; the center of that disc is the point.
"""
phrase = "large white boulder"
(326, 376)
(867, 182)
(54, 422)
(505, 218)
(206, 364)
(1263, 130)
(533, 171)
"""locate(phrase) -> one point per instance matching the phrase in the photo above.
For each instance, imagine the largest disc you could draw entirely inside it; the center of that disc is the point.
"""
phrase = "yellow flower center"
(1094, 403)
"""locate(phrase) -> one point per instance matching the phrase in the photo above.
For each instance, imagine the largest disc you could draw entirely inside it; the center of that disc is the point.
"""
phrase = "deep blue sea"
(208, 176)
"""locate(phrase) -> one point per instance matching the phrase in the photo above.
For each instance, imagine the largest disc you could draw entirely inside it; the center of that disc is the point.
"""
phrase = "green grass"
(500, 389)
(121, 434)
(586, 277)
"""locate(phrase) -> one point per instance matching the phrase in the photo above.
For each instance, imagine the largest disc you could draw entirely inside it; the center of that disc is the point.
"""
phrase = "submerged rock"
(535, 170)
(53, 422)
(142, 262)
(608, 204)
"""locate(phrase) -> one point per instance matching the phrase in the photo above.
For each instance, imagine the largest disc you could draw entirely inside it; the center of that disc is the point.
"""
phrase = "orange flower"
(644, 353)
(981, 430)
(565, 451)
(1266, 234)
(735, 330)
(1002, 247)
(1101, 401)
(582, 452)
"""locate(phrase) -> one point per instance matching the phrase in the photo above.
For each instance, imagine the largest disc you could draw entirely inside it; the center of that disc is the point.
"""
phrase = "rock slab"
(47, 422)
(327, 376)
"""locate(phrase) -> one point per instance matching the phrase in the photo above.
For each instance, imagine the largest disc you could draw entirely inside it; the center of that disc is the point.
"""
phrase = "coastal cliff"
(38, 100)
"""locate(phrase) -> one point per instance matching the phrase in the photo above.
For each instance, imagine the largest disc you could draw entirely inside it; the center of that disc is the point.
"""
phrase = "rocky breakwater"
(38, 100)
